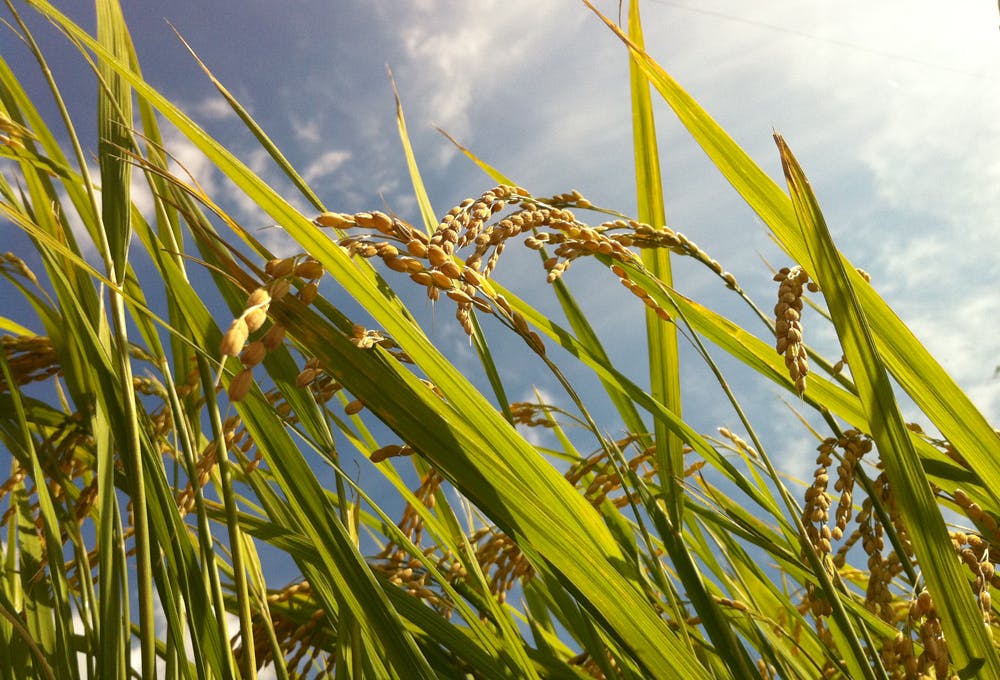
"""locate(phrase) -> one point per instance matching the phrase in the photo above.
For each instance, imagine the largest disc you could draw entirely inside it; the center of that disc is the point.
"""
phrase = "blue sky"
(892, 108)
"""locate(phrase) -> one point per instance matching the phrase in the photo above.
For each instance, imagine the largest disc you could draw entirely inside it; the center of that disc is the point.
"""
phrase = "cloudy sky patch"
(892, 108)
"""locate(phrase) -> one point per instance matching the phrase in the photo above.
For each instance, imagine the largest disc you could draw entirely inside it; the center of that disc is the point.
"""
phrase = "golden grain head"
(309, 269)
(334, 220)
(308, 293)
(255, 318)
(384, 453)
(239, 386)
(354, 407)
(441, 280)
(279, 267)
(253, 354)
(382, 222)
(422, 278)
(436, 255)
(279, 288)
(234, 338)
(306, 377)
(274, 336)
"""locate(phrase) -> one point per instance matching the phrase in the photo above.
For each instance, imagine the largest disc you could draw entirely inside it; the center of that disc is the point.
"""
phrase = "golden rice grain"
(441, 280)
(234, 338)
(309, 269)
(253, 354)
(422, 278)
(354, 407)
(308, 293)
(482, 305)
(397, 264)
(279, 288)
(535, 342)
(384, 453)
(239, 386)
(459, 296)
(260, 297)
(472, 277)
(502, 303)
(451, 270)
(334, 220)
(413, 265)
(417, 248)
(520, 324)
(255, 318)
(436, 255)
(277, 268)
(382, 222)
(364, 220)
(386, 250)
(739, 442)
(274, 336)
(306, 377)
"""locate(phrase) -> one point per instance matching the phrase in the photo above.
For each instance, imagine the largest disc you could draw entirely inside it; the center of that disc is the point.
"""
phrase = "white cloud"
(462, 56)
(188, 162)
(960, 333)
(325, 164)
(308, 131)
(214, 107)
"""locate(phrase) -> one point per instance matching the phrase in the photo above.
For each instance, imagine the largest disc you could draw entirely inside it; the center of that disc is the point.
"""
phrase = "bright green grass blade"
(969, 645)
(114, 121)
(49, 596)
(577, 319)
(661, 338)
(14, 328)
(258, 132)
(917, 372)
(584, 553)
(456, 444)
(761, 357)
(497, 176)
(343, 568)
(80, 308)
(16, 634)
(419, 191)
(430, 224)
(273, 443)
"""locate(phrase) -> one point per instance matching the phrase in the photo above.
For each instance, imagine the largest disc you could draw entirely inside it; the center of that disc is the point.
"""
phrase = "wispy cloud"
(325, 164)
(214, 107)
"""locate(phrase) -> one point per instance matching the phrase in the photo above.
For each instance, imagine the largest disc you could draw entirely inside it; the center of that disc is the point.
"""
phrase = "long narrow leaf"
(969, 645)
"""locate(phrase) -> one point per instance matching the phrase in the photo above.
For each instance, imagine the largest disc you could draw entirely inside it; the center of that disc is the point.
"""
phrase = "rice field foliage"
(170, 432)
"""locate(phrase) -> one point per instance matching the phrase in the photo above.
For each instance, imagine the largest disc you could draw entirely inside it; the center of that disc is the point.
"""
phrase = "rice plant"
(174, 426)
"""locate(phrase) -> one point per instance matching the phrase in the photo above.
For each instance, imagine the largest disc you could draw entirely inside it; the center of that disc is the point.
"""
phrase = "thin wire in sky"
(831, 41)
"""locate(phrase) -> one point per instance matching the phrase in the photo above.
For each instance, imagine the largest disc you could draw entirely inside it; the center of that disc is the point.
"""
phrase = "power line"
(831, 41)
